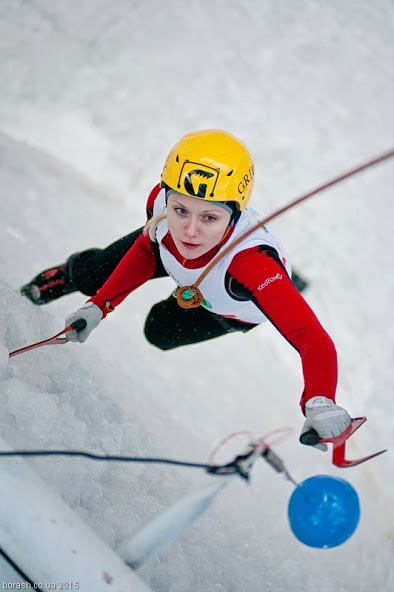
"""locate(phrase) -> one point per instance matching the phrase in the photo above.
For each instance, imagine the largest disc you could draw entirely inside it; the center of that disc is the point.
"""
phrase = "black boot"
(49, 285)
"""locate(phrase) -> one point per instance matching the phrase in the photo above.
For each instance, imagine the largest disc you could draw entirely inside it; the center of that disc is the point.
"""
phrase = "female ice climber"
(199, 209)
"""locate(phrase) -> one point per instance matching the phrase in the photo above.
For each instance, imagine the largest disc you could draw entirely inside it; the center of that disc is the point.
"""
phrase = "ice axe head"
(311, 438)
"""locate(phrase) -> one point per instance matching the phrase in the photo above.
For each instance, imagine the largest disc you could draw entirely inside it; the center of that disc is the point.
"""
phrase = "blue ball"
(324, 511)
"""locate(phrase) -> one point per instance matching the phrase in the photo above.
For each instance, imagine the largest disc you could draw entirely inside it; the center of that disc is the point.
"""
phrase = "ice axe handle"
(78, 325)
(310, 438)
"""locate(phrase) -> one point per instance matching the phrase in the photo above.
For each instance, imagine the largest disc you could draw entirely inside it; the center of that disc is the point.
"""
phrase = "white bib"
(213, 289)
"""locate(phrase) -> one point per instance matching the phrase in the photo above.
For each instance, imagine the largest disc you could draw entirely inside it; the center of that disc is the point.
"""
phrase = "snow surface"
(92, 99)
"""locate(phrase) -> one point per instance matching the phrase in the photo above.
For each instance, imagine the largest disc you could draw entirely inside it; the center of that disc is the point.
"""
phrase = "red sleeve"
(136, 267)
(272, 291)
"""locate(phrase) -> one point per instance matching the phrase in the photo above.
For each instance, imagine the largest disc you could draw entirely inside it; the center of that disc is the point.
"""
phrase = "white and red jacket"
(214, 287)
(258, 269)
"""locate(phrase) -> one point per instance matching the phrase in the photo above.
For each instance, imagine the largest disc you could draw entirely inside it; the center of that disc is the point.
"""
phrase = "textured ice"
(307, 85)
(3, 359)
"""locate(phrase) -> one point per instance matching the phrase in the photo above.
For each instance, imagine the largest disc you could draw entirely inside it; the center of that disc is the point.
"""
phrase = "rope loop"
(189, 297)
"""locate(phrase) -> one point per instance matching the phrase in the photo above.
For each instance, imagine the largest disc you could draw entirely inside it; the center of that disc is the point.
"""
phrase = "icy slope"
(106, 90)
(116, 394)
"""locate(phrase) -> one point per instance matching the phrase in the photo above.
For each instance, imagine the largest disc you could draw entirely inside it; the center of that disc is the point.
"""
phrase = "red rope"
(292, 204)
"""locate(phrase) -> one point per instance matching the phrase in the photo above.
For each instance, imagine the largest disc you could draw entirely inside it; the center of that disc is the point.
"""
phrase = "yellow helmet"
(212, 165)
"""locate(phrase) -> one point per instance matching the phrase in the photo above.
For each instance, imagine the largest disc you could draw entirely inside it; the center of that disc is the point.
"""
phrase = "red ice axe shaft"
(55, 340)
(338, 444)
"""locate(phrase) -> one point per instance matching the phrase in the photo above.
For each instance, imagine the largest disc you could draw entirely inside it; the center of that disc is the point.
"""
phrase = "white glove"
(91, 314)
(326, 418)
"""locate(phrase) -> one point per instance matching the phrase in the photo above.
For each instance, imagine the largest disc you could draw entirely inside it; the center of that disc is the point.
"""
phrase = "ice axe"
(55, 340)
(311, 438)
